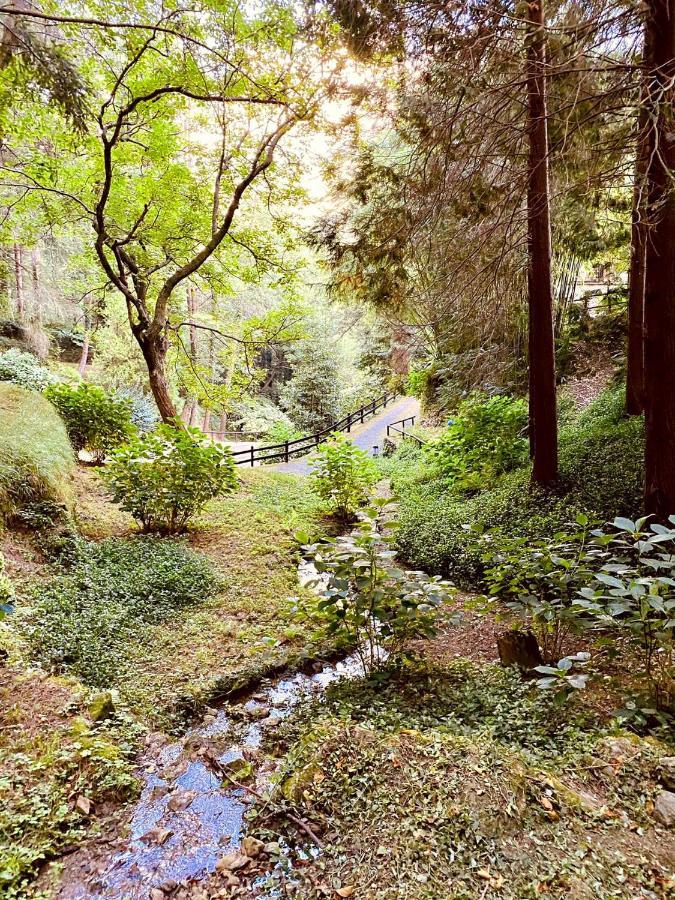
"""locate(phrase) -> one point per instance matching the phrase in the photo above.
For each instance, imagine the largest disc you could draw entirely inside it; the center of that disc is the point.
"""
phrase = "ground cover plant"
(601, 477)
(82, 618)
(36, 458)
(459, 780)
(57, 766)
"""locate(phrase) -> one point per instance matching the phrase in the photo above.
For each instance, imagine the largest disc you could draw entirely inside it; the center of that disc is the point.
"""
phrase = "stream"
(188, 816)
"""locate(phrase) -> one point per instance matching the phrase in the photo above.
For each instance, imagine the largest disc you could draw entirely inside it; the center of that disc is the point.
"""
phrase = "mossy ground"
(460, 780)
(59, 772)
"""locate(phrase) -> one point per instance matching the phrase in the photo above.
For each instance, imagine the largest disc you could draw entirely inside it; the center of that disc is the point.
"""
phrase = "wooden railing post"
(286, 457)
(252, 455)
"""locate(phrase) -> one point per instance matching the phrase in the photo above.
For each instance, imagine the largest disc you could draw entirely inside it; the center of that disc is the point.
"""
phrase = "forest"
(337, 449)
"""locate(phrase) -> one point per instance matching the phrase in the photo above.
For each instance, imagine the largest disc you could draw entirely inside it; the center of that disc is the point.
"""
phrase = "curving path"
(371, 434)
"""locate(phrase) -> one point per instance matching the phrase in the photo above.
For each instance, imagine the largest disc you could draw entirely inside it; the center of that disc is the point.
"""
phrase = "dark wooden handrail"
(393, 426)
(300, 446)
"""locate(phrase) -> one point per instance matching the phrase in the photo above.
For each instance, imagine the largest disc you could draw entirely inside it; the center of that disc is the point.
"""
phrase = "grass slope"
(36, 458)
(252, 623)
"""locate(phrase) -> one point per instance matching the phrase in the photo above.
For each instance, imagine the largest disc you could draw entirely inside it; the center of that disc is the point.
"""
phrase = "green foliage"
(42, 774)
(95, 421)
(416, 383)
(633, 592)
(312, 396)
(36, 458)
(165, 478)
(25, 370)
(600, 475)
(485, 440)
(540, 580)
(342, 474)
(259, 416)
(368, 599)
(6, 589)
(85, 616)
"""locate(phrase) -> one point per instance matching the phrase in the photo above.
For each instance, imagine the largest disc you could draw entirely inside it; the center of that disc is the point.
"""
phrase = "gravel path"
(371, 434)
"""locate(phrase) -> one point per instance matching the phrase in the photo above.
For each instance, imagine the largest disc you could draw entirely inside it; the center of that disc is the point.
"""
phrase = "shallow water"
(188, 817)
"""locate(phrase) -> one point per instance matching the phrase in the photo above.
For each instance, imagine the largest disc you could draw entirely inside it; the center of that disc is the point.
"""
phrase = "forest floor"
(455, 779)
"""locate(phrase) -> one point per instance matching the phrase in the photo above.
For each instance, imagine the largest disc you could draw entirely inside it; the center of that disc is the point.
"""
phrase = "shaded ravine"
(189, 815)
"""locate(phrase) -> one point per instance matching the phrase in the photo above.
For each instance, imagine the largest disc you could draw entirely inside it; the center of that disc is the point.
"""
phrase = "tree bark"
(84, 356)
(18, 283)
(543, 424)
(154, 350)
(660, 276)
(635, 351)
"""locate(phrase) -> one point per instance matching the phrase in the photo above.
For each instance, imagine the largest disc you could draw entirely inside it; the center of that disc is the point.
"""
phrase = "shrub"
(342, 474)
(259, 416)
(540, 580)
(600, 475)
(25, 370)
(84, 616)
(368, 599)
(94, 420)
(485, 440)
(165, 478)
(36, 458)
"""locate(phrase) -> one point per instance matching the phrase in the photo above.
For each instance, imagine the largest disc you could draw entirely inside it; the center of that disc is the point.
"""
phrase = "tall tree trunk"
(18, 283)
(84, 356)
(154, 349)
(543, 425)
(660, 277)
(635, 351)
(35, 272)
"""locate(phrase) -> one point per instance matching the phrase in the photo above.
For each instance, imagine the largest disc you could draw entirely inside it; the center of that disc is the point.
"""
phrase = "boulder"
(667, 772)
(101, 706)
(664, 808)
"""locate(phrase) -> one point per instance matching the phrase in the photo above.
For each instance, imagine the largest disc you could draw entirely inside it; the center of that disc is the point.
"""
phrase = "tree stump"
(519, 648)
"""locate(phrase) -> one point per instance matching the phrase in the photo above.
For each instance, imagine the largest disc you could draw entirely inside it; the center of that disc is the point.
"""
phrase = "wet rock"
(667, 772)
(257, 710)
(232, 861)
(252, 847)
(101, 706)
(664, 809)
(157, 894)
(168, 886)
(157, 836)
(180, 800)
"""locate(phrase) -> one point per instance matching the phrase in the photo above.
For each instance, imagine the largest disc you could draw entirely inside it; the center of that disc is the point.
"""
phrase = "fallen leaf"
(345, 891)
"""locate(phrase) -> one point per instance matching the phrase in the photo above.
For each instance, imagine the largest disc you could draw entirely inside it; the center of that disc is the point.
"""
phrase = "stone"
(667, 772)
(101, 706)
(252, 846)
(157, 894)
(231, 862)
(257, 710)
(180, 800)
(519, 648)
(664, 808)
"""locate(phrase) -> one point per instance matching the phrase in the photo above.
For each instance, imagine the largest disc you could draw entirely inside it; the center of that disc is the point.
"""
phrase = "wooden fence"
(291, 449)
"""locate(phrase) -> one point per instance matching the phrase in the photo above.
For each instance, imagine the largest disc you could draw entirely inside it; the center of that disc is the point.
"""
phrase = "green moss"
(36, 458)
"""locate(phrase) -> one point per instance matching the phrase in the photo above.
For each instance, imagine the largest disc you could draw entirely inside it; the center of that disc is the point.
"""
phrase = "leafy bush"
(368, 599)
(83, 617)
(165, 478)
(94, 420)
(260, 416)
(633, 591)
(540, 580)
(485, 440)
(36, 458)
(342, 474)
(601, 459)
(25, 370)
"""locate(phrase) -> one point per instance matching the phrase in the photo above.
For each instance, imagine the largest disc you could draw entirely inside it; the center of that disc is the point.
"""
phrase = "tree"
(162, 201)
(660, 274)
(312, 396)
(543, 425)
